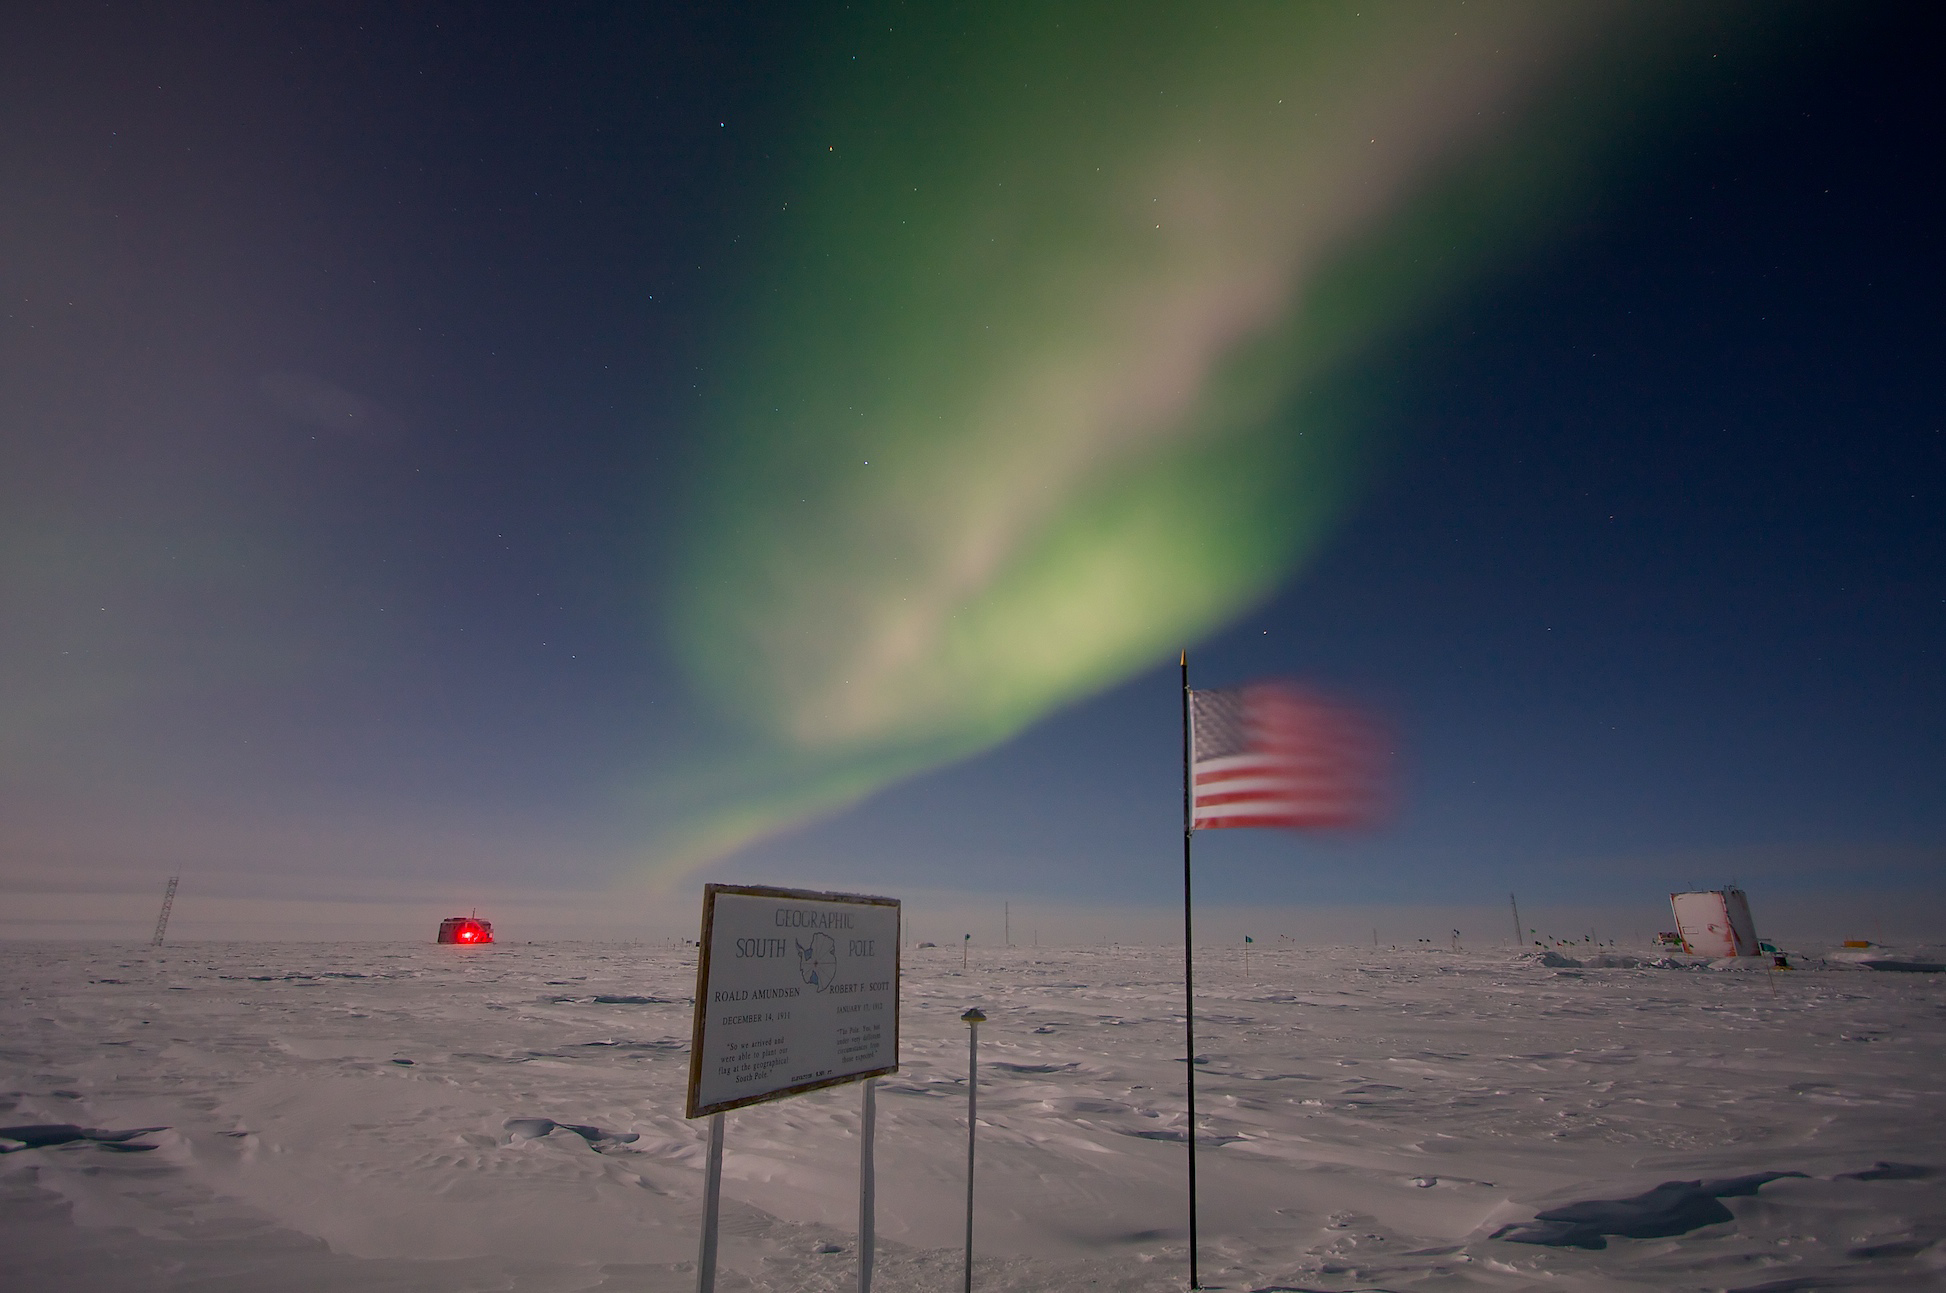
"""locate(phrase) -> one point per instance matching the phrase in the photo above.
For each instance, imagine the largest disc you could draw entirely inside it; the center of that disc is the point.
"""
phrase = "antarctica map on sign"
(794, 991)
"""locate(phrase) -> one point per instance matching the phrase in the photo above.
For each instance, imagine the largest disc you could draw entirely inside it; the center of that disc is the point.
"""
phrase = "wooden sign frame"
(697, 1055)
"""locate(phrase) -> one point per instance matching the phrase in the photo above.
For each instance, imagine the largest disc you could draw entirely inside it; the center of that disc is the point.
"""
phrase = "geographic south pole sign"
(795, 990)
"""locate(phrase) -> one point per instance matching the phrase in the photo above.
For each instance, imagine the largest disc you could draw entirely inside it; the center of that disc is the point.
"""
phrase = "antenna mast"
(168, 905)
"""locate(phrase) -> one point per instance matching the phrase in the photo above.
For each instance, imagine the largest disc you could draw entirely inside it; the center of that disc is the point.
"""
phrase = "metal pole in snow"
(1520, 940)
(168, 905)
(1189, 969)
(972, 1019)
(867, 1186)
(712, 1192)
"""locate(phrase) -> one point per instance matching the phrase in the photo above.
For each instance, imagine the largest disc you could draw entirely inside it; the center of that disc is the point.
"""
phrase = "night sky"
(552, 456)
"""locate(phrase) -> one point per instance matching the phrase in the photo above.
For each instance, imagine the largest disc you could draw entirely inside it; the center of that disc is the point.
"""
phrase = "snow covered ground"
(338, 1118)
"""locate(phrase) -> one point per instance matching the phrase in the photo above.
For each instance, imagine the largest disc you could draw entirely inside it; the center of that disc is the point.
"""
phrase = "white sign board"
(795, 991)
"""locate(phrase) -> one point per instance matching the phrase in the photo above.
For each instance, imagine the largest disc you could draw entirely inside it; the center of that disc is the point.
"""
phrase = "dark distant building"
(465, 929)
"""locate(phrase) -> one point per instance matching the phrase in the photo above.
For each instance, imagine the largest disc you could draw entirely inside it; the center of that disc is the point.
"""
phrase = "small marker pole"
(966, 945)
(712, 1193)
(867, 1186)
(972, 1019)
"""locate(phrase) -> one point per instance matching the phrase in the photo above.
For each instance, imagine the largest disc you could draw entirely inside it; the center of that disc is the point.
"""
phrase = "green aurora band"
(1061, 350)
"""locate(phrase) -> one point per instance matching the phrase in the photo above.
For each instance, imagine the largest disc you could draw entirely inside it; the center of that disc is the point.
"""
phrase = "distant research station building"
(1716, 922)
(465, 929)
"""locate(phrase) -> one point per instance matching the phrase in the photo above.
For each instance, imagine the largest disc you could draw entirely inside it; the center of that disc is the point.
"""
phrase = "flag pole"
(1188, 972)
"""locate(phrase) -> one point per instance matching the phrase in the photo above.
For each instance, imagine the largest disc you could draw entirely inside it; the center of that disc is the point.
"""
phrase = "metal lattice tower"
(168, 904)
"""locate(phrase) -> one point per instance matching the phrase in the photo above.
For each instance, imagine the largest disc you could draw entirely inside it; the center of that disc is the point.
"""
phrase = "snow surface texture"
(388, 1117)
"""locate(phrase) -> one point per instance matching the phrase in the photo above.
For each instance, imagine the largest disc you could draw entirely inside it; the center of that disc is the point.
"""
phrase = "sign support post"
(712, 1194)
(867, 1184)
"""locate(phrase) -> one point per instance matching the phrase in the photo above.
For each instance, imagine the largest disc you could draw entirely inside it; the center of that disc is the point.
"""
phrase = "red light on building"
(465, 929)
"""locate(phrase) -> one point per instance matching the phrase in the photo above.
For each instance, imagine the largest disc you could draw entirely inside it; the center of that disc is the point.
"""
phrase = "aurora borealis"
(486, 455)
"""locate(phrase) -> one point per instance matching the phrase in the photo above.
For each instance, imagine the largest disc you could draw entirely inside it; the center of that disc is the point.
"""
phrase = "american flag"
(1273, 754)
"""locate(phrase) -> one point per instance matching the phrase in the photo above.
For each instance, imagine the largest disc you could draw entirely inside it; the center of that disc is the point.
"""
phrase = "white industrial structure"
(1716, 922)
